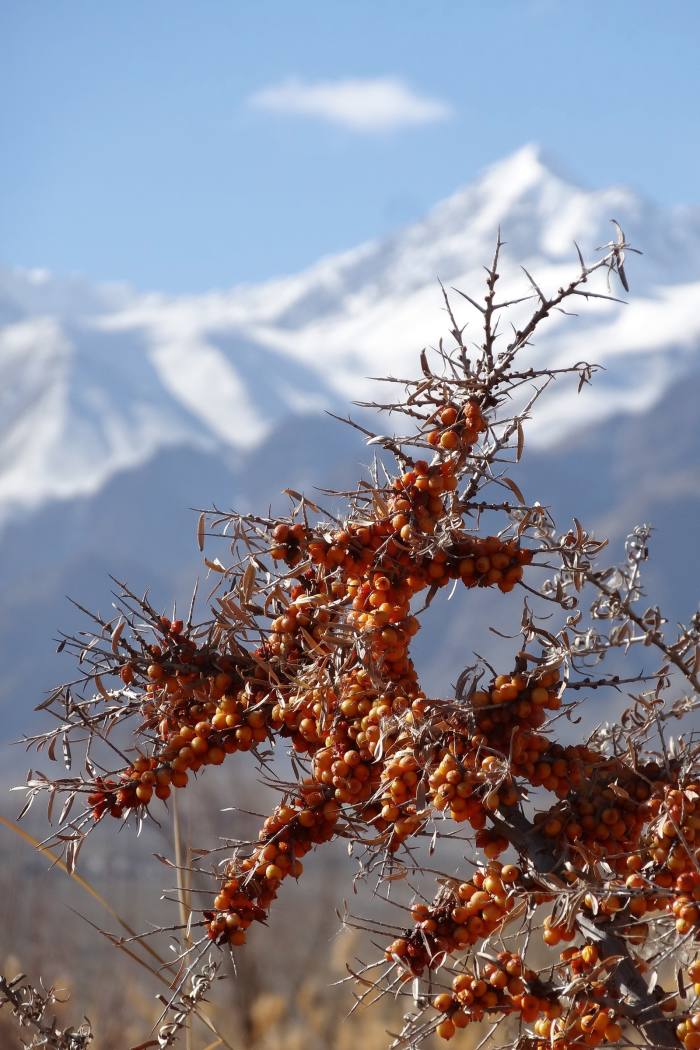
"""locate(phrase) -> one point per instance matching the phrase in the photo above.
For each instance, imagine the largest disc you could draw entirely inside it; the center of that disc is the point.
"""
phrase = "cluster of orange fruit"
(608, 810)
(457, 427)
(187, 704)
(505, 986)
(644, 828)
(674, 845)
(515, 701)
(383, 793)
(588, 1022)
(688, 1030)
(454, 786)
(250, 885)
(456, 919)
(663, 873)
(592, 1025)
(289, 543)
(580, 960)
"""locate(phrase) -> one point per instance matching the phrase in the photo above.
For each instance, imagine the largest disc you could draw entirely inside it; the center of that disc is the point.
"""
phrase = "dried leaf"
(67, 806)
(247, 581)
(116, 636)
(396, 876)
(521, 442)
(65, 745)
(380, 506)
(100, 688)
(680, 983)
(513, 488)
(27, 805)
(214, 565)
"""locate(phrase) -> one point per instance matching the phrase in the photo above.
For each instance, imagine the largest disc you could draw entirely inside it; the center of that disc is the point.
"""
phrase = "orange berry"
(443, 1002)
(446, 1029)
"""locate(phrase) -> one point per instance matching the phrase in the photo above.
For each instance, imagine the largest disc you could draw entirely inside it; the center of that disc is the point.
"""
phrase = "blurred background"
(216, 221)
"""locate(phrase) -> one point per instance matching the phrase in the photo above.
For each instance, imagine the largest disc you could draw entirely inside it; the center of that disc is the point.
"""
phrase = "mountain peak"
(533, 162)
(529, 163)
(98, 379)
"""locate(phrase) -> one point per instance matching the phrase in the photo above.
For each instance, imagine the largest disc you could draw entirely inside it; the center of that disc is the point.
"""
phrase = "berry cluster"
(674, 832)
(592, 1025)
(251, 885)
(290, 542)
(688, 1030)
(458, 918)
(607, 810)
(515, 701)
(458, 426)
(187, 704)
(505, 986)
(490, 562)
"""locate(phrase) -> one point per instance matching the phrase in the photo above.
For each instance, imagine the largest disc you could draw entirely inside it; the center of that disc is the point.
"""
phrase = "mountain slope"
(94, 381)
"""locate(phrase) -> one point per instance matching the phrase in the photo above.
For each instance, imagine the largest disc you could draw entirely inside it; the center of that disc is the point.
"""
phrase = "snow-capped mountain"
(122, 410)
(97, 380)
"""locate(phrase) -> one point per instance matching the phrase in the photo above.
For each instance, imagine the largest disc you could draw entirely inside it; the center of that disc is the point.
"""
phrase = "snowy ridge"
(96, 380)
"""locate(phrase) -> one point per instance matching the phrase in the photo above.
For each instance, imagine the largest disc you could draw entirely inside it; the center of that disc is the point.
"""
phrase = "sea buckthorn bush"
(551, 884)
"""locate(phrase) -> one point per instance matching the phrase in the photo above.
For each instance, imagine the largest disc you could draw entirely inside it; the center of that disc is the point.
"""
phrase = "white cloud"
(373, 105)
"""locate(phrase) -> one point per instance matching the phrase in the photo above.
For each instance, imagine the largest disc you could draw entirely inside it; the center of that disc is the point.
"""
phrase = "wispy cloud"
(365, 105)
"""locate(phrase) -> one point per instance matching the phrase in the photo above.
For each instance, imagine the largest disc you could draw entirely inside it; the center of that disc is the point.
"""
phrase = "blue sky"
(188, 145)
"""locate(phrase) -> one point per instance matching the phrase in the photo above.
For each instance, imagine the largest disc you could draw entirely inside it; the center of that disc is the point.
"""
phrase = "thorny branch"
(306, 641)
(31, 1009)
